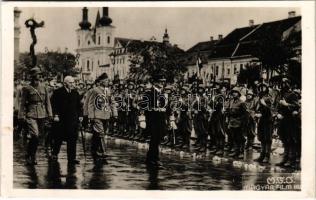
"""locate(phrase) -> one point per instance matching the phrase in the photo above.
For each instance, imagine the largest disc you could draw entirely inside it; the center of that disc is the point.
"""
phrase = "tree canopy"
(54, 64)
(148, 59)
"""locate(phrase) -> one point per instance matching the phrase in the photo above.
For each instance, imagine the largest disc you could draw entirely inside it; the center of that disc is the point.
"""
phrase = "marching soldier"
(100, 109)
(35, 109)
(265, 124)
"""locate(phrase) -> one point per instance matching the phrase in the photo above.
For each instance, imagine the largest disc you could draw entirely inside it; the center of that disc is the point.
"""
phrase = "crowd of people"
(195, 116)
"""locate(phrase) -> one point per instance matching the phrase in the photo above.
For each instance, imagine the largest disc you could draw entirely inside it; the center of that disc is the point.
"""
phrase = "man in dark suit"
(67, 114)
(156, 118)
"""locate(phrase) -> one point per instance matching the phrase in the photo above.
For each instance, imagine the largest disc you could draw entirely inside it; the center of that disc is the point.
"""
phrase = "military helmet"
(236, 89)
(263, 88)
(131, 85)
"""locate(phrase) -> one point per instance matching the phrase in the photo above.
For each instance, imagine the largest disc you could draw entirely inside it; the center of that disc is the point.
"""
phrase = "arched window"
(109, 39)
(99, 40)
(79, 42)
(88, 42)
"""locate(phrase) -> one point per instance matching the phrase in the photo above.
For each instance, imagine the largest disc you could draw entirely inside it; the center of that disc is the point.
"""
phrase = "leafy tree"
(52, 63)
(150, 58)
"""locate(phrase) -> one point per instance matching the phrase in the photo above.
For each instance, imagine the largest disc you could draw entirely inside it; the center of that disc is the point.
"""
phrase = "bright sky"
(186, 26)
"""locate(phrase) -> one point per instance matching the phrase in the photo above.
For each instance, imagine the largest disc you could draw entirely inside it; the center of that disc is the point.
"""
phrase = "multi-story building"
(99, 50)
(124, 47)
(242, 47)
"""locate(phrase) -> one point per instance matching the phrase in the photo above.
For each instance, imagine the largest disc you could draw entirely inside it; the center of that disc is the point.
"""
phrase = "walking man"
(35, 109)
(156, 116)
(67, 112)
(100, 108)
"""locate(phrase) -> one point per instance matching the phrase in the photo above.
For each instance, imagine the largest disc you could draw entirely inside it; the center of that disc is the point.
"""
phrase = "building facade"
(242, 48)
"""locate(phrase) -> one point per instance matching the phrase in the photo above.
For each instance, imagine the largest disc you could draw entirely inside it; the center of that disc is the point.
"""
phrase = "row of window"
(98, 42)
(119, 61)
(228, 72)
(119, 51)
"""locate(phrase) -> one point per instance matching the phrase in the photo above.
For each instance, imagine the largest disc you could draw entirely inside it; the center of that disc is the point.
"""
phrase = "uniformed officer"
(100, 108)
(35, 108)
(156, 118)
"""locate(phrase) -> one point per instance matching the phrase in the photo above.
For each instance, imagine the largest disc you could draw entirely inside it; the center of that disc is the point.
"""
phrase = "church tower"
(84, 28)
(95, 44)
(105, 31)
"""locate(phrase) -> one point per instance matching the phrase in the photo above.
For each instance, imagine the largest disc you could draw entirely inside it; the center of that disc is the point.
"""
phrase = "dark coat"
(68, 107)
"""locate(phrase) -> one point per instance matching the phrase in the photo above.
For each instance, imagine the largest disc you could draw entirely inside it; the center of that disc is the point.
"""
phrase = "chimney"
(220, 36)
(251, 22)
(291, 14)
(211, 38)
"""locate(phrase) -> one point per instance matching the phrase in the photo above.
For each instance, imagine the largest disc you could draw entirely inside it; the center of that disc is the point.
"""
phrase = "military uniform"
(100, 108)
(287, 130)
(236, 123)
(251, 124)
(265, 124)
(156, 119)
(35, 108)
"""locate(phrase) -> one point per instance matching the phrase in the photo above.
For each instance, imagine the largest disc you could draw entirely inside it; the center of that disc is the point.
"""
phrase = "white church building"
(94, 45)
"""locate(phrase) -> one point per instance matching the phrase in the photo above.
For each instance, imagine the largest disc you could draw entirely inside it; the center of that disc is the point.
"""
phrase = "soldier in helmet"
(35, 108)
(287, 109)
(236, 124)
(251, 124)
(265, 125)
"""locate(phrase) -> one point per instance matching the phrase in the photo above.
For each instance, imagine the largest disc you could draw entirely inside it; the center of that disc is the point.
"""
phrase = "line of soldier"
(216, 117)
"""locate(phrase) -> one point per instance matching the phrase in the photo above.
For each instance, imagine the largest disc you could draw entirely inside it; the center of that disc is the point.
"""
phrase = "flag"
(199, 62)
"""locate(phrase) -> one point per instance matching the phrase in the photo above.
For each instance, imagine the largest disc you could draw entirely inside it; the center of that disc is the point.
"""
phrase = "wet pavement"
(126, 170)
